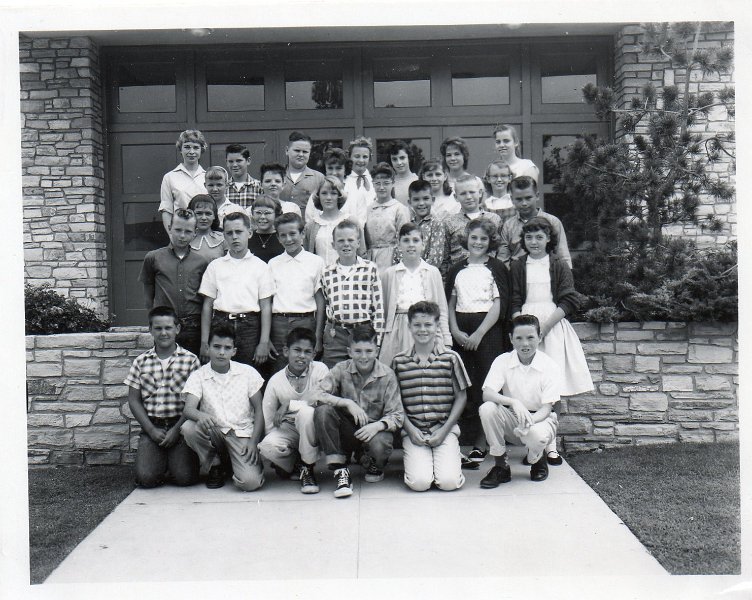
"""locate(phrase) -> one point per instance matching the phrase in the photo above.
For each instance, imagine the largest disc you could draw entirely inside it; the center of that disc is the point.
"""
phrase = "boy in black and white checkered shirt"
(352, 292)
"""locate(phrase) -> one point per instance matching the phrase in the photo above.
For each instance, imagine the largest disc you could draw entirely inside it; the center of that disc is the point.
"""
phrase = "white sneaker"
(344, 483)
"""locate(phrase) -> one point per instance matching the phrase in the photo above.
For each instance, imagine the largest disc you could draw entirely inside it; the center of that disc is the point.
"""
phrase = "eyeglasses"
(263, 213)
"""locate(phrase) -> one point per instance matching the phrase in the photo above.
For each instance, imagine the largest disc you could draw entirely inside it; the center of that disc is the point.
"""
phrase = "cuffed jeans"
(283, 444)
(499, 422)
(246, 475)
(425, 465)
(335, 430)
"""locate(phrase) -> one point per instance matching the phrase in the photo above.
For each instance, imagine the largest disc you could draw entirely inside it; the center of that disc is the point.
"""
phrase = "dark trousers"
(477, 363)
(190, 334)
(281, 326)
(335, 431)
(153, 462)
(247, 335)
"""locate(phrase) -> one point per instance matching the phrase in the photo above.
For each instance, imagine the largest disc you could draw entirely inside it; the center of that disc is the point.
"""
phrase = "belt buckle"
(232, 316)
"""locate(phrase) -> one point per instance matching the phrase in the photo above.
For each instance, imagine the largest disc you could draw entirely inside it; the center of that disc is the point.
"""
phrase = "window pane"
(401, 83)
(144, 165)
(234, 87)
(313, 84)
(143, 227)
(146, 87)
(479, 82)
(564, 76)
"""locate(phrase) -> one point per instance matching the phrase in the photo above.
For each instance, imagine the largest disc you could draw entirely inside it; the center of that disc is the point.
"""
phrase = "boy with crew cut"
(358, 409)
(432, 381)
(238, 289)
(300, 180)
(352, 292)
(223, 415)
(298, 301)
(290, 442)
(243, 189)
(154, 381)
(519, 392)
(172, 275)
(524, 192)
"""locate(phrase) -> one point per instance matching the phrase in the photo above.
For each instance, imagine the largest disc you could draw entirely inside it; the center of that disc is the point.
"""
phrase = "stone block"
(647, 417)
(61, 457)
(727, 436)
(593, 405)
(617, 364)
(634, 335)
(101, 437)
(47, 356)
(632, 378)
(653, 441)
(70, 340)
(574, 425)
(658, 430)
(722, 369)
(38, 457)
(712, 383)
(692, 416)
(44, 420)
(654, 325)
(36, 369)
(50, 438)
(125, 409)
(587, 331)
(671, 369)
(729, 414)
(598, 347)
(644, 387)
(107, 457)
(710, 354)
(608, 389)
(108, 415)
(662, 348)
(714, 328)
(78, 420)
(673, 383)
(722, 426)
(82, 367)
(87, 393)
(705, 404)
(77, 353)
(115, 392)
(115, 375)
(648, 401)
(64, 407)
(42, 387)
(671, 334)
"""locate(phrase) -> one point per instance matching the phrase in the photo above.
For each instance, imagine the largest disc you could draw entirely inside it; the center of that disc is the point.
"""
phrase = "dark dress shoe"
(553, 458)
(539, 471)
(496, 476)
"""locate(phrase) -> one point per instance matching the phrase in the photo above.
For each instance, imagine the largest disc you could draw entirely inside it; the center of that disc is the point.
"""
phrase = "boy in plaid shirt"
(352, 292)
(155, 380)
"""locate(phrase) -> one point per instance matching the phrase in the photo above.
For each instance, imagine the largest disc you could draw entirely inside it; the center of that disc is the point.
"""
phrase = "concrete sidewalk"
(383, 530)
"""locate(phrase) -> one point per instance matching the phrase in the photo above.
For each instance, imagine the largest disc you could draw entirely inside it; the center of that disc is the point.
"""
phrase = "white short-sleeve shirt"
(226, 396)
(237, 284)
(534, 385)
(296, 281)
(475, 288)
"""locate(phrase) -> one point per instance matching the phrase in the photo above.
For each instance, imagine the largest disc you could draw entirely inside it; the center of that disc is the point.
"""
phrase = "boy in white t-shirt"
(290, 442)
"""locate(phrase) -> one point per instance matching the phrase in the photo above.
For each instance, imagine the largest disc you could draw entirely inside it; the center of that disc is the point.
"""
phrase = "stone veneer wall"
(633, 69)
(655, 383)
(62, 152)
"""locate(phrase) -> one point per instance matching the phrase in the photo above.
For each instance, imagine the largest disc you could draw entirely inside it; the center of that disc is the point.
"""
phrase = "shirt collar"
(379, 369)
(387, 204)
(517, 215)
(535, 363)
(152, 352)
(197, 172)
(217, 237)
(358, 262)
(247, 256)
(431, 355)
(297, 258)
(422, 266)
(354, 175)
(172, 249)
(212, 374)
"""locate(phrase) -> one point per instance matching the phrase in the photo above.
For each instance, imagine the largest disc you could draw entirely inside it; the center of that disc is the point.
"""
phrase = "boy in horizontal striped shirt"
(433, 384)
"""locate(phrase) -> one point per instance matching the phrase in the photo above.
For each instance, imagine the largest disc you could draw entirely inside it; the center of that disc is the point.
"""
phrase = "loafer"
(468, 464)
(496, 476)
(477, 455)
(553, 458)
(539, 470)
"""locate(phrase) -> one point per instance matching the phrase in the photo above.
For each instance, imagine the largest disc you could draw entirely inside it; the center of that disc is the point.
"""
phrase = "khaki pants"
(499, 422)
(245, 475)
(442, 464)
(283, 444)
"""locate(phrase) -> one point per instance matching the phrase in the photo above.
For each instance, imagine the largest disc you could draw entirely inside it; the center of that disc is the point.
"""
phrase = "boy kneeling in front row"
(519, 392)
(433, 383)
(290, 443)
(223, 412)
(359, 409)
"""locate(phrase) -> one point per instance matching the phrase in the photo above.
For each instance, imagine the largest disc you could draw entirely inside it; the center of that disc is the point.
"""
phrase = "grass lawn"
(680, 500)
(65, 504)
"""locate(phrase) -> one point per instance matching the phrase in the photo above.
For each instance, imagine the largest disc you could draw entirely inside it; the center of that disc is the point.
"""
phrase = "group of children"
(381, 298)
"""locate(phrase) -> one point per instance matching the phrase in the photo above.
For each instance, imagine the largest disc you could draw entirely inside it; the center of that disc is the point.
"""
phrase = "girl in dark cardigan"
(478, 294)
(542, 285)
